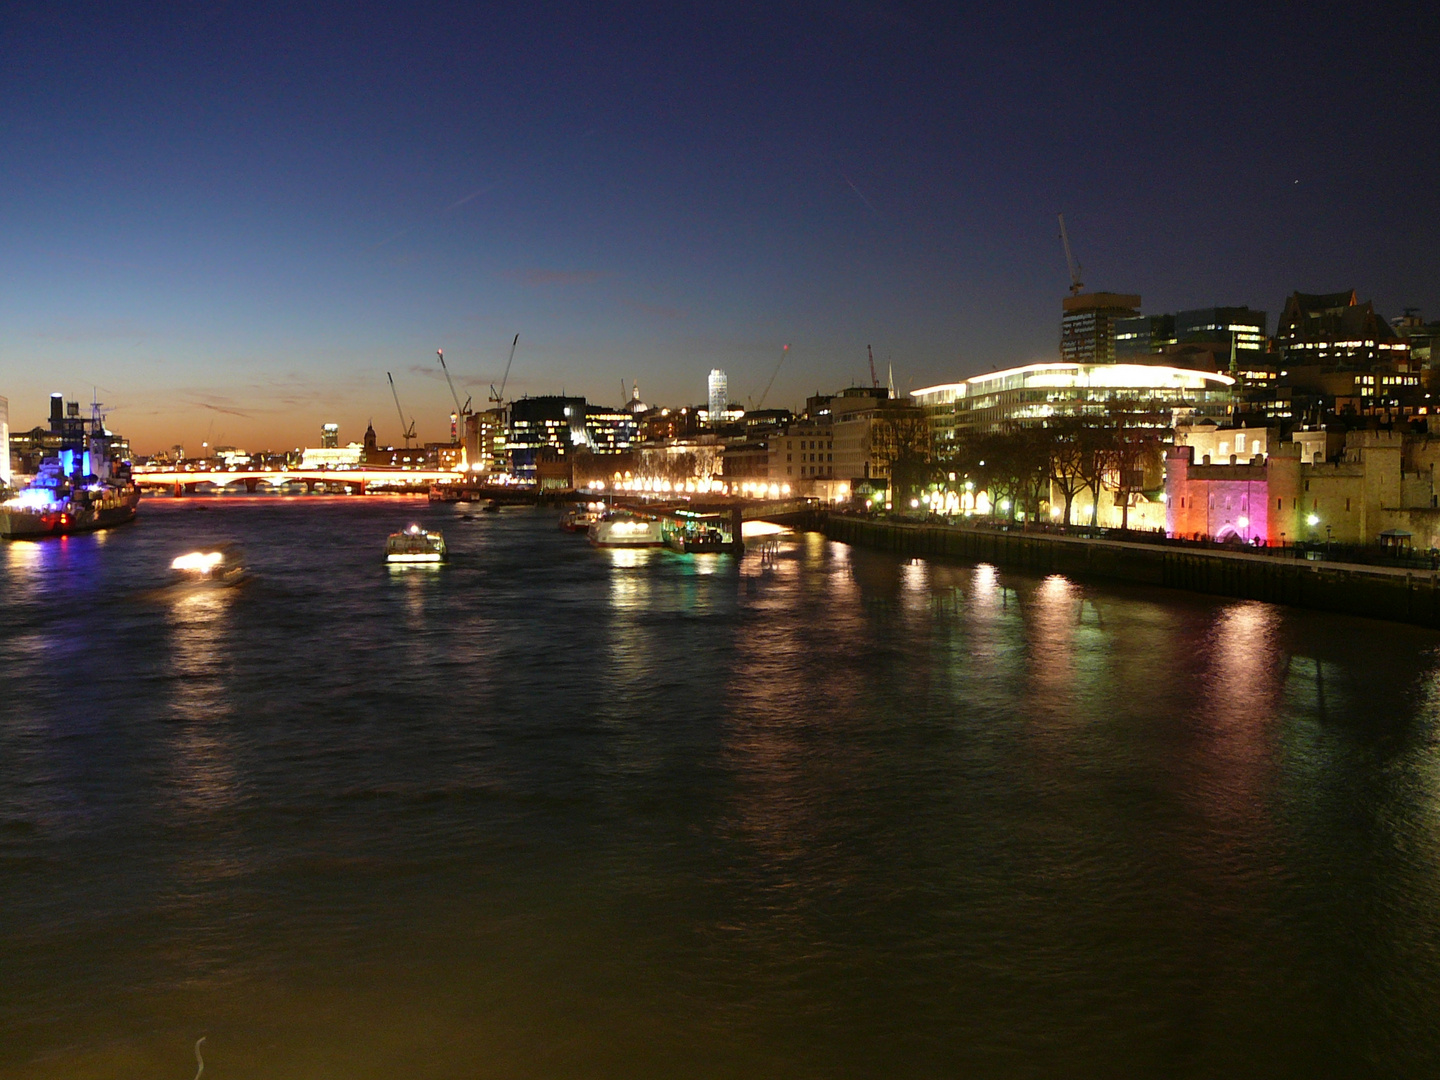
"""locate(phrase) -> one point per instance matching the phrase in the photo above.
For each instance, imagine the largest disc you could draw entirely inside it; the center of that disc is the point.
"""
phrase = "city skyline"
(232, 224)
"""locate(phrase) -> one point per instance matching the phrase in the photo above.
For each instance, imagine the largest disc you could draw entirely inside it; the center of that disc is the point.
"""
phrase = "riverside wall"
(1411, 596)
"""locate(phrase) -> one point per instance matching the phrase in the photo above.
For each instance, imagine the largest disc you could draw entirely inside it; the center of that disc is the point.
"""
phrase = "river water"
(549, 811)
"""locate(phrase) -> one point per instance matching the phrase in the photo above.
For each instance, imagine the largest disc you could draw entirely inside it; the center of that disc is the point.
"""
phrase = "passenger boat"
(447, 493)
(696, 534)
(698, 542)
(579, 520)
(415, 545)
(626, 531)
(219, 565)
(78, 490)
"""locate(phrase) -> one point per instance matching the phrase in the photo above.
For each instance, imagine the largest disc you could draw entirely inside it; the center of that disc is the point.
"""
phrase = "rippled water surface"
(555, 812)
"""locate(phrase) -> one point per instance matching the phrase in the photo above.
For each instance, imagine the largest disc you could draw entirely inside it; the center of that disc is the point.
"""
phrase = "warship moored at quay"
(80, 489)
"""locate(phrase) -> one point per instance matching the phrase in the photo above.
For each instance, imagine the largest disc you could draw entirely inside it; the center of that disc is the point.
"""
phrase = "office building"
(1421, 336)
(1238, 331)
(719, 387)
(550, 420)
(804, 451)
(871, 431)
(1038, 392)
(1201, 337)
(1087, 325)
(329, 436)
(610, 431)
(1336, 330)
(1138, 336)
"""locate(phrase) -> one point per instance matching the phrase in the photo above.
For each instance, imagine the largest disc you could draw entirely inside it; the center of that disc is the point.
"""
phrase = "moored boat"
(580, 519)
(78, 490)
(698, 542)
(699, 534)
(626, 531)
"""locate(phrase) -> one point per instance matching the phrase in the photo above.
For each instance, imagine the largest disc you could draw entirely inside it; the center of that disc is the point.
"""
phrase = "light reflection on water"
(548, 810)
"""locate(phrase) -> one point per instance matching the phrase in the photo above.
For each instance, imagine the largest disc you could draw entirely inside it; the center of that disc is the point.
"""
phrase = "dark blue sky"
(234, 218)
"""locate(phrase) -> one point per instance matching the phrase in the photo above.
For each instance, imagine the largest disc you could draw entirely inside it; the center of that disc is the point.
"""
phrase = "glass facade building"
(1037, 392)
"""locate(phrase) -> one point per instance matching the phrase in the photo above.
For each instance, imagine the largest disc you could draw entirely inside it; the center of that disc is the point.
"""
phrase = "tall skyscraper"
(329, 436)
(719, 396)
(1087, 327)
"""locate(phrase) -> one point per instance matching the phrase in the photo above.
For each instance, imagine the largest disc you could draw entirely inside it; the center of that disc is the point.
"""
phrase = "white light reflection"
(1051, 619)
(204, 771)
(1237, 710)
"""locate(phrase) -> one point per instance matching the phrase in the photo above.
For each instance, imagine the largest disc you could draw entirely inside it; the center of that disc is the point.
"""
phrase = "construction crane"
(874, 379)
(1076, 285)
(457, 430)
(783, 353)
(459, 411)
(406, 433)
(499, 397)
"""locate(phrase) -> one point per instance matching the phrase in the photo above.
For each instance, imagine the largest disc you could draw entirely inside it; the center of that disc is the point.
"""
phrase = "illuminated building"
(1421, 336)
(390, 456)
(1239, 328)
(870, 431)
(1229, 333)
(1351, 391)
(804, 451)
(332, 457)
(1141, 335)
(1087, 325)
(766, 419)
(547, 421)
(938, 404)
(1285, 498)
(659, 425)
(719, 388)
(29, 448)
(1037, 392)
(329, 436)
(610, 431)
(5, 471)
(1221, 443)
(1336, 330)
(746, 461)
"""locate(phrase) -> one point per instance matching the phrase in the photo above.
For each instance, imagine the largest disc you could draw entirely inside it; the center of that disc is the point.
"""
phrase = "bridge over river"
(358, 480)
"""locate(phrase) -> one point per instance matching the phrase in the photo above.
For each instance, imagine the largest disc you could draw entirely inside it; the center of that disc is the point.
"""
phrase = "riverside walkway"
(1399, 594)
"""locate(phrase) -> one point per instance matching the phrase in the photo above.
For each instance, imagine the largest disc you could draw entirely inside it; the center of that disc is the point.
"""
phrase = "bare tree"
(1134, 446)
(1068, 459)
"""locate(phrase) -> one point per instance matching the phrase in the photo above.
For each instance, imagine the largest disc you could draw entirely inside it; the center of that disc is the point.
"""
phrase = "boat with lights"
(580, 519)
(78, 490)
(222, 564)
(699, 534)
(626, 530)
(415, 545)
